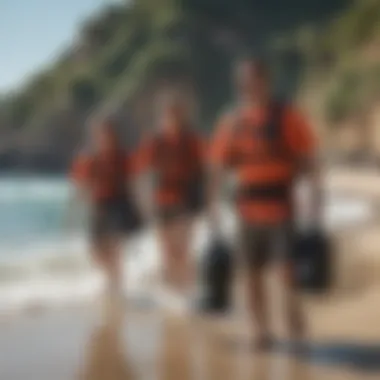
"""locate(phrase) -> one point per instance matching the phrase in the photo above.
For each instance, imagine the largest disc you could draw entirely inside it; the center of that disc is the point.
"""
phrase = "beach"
(79, 345)
(89, 340)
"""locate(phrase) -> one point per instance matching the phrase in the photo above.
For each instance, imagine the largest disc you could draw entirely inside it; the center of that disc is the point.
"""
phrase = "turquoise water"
(44, 253)
(32, 208)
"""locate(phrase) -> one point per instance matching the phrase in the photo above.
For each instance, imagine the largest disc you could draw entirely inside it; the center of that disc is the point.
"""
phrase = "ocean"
(44, 259)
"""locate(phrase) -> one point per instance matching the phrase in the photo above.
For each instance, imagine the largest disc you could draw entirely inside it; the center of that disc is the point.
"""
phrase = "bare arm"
(314, 177)
(79, 190)
(142, 194)
(215, 182)
(141, 167)
(219, 152)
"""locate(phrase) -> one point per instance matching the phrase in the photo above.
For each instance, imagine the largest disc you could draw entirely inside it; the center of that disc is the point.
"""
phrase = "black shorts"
(109, 219)
(261, 244)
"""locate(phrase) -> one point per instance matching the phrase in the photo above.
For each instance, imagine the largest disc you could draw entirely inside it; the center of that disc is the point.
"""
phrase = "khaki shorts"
(262, 244)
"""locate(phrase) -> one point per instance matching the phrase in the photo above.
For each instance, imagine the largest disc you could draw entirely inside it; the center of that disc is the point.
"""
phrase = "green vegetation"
(130, 48)
(346, 54)
(130, 45)
(353, 91)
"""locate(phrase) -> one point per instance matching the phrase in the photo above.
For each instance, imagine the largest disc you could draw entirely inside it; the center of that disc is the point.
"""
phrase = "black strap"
(275, 192)
(272, 131)
(274, 126)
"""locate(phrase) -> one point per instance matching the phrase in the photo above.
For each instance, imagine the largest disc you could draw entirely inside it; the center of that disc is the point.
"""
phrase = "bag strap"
(274, 127)
(273, 130)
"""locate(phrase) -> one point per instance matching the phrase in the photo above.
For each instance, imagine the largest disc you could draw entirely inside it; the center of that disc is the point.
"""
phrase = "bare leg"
(258, 306)
(107, 256)
(183, 262)
(166, 241)
(175, 241)
(114, 267)
(294, 313)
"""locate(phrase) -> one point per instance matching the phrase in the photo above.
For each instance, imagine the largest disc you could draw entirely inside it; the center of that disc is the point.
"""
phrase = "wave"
(24, 189)
(52, 280)
(59, 272)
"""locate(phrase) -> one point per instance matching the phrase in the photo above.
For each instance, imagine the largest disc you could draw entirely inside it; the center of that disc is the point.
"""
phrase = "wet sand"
(117, 343)
(120, 344)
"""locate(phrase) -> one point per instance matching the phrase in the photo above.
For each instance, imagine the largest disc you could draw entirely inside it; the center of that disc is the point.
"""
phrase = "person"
(267, 144)
(174, 155)
(101, 176)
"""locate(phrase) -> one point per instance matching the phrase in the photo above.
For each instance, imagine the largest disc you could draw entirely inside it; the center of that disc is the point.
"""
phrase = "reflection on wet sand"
(174, 356)
(189, 349)
(106, 358)
(193, 349)
(219, 359)
(283, 368)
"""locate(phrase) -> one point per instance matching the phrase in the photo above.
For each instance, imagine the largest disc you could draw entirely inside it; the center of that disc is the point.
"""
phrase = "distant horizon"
(32, 40)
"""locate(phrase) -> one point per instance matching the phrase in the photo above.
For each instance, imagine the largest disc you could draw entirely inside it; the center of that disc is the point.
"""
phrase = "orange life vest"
(263, 163)
(108, 175)
(177, 166)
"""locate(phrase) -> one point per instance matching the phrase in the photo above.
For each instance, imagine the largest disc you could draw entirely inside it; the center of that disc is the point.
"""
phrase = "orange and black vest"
(108, 175)
(264, 165)
(177, 166)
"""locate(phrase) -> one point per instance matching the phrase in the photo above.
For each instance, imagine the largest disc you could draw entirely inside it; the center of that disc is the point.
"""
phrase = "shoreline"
(85, 342)
(350, 239)
(100, 343)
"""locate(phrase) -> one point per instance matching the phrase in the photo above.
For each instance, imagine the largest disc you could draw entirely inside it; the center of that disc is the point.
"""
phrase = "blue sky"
(33, 32)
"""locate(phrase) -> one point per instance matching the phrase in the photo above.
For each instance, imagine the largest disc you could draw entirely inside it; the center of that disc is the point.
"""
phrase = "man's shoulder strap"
(275, 124)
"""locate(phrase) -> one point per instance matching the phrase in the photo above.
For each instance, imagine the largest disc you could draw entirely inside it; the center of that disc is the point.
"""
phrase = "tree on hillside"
(132, 50)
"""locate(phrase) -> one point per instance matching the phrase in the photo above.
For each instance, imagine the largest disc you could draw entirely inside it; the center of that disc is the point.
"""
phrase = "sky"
(33, 32)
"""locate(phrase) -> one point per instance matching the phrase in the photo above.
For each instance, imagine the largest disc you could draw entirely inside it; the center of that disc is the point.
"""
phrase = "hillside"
(130, 52)
(342, 79)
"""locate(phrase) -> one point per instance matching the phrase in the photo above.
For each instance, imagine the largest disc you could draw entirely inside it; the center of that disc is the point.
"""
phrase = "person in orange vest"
(102, 176)
(267, 144)
(173, 153)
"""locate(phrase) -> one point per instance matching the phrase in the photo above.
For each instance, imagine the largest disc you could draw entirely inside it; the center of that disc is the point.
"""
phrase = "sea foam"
(58, 271)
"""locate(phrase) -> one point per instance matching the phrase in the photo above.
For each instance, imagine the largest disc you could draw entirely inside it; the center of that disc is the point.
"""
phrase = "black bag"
(313, 260)
(217, 277)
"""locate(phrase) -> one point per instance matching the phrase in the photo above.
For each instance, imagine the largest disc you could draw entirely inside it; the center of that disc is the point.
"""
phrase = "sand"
(364, 182)
(87, 345)
(117, 342)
